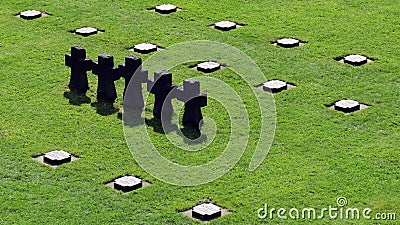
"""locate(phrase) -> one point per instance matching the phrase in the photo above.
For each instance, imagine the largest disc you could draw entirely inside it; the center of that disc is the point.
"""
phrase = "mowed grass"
(318, 154)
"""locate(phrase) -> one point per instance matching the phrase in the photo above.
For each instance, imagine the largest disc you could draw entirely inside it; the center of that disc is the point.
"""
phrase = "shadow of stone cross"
(79, 65)
(107, 74)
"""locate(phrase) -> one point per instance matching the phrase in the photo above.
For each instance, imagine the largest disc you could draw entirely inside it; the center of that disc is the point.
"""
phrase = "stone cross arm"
(194, 100)
(86, 63)
(105, 66)
(190, 91)
(161, 83)
(132, 68)
(107, 74)
(79, 65)
(199, 99)
(77, 59)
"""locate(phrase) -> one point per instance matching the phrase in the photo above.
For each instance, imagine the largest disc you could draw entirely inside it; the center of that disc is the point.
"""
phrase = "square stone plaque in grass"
(208, 66)
(288, 42)
(55, 158)
(31, 14)
(206, 212)
(226, 25)
(145, 48)
(354, 60)
(275, 86)
(347, 106)
(87, 31)
(165, 9)
(127, 183)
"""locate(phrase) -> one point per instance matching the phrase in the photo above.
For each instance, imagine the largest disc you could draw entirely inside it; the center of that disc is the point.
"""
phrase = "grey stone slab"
(166, 8)
(355, 60)
(55, 158)
(30, 14)
(206, 212)
(208, 67)
(348, 106)
(145, 48)
(87, 31)
(288, 42)
(225, 25)
(127, 183)
(275, 86)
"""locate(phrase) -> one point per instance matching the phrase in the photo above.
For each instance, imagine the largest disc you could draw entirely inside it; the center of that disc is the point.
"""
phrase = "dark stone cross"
(161, 86)
(194, 100)
(131, 70)
(79, 65)
(107, 74)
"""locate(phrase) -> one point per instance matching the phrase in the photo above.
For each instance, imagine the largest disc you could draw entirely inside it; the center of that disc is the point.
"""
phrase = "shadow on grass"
(104, 108)
(157, 126)
(132, 118)
(77, 98)
(191, 132)
(192, 135)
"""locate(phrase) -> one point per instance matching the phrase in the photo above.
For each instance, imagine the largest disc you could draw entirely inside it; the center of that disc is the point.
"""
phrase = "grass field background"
(318, 154)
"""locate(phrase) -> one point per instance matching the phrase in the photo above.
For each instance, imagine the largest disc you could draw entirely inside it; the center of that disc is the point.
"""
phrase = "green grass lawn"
(317, 155)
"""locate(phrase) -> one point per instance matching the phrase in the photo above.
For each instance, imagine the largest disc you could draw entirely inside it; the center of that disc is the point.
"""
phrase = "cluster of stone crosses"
(131, 70)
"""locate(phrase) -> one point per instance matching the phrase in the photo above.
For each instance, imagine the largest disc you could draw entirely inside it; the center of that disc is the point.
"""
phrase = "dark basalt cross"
(79, 65)
(131, 70)
(194, 100)
(107, 74)
(161, 86)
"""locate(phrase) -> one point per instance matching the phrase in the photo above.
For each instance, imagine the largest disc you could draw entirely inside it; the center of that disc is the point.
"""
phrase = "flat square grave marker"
(87, 31)
(206, 212)
(348, 106)
(166, 9)
(226, 25)
(288, 42)
(276, 86)
(145, 48)
(31, 14)
(127, 183)
(55, 158)
(208, 67)
(355, 60)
